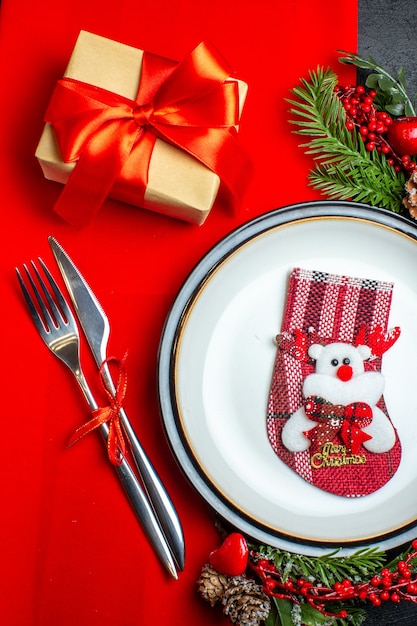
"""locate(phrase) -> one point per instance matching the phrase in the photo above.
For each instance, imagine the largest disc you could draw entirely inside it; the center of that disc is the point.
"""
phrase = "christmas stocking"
(327, 418)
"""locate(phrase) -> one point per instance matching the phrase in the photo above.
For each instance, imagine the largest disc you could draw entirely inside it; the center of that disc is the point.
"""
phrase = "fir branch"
(361, 185)
(323, 118)
(326, 569)
(345, 169)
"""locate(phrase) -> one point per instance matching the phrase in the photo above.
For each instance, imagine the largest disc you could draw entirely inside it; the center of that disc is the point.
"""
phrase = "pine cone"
(245, 602)
(410, 200)
(212, 584)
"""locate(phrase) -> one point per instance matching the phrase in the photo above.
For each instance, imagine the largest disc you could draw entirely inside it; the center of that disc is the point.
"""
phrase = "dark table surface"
(387, 32)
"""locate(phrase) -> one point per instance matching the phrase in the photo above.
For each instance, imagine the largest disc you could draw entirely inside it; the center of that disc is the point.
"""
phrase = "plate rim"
(168, 345)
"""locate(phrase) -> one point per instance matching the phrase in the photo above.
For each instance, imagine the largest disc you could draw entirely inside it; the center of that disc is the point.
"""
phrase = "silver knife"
(96, 328)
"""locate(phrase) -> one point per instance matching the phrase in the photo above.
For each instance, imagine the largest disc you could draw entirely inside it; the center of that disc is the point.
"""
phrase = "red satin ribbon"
(190, 105)
(334, 418)
(116, 446)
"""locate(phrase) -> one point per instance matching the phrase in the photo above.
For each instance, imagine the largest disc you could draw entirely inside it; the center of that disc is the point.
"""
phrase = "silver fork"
(57, 327)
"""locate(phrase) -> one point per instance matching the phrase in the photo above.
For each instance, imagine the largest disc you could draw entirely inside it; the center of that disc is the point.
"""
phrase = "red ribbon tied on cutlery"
(192, 105)
(116, 446)
(334, 418)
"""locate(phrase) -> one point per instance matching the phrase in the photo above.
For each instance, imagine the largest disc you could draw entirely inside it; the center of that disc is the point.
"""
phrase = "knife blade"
(96, 327)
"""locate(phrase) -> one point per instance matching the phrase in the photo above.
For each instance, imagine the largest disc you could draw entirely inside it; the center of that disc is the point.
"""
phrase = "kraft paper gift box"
(178, 184)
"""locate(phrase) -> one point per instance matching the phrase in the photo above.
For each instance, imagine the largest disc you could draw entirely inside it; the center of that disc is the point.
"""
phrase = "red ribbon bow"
(116, 447)
(190, 105)
(334, 418)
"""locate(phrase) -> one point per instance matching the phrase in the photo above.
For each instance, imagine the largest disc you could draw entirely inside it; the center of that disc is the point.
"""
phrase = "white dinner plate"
(215, 366)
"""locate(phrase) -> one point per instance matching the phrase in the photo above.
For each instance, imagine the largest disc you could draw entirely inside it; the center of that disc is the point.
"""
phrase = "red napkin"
(72, 552)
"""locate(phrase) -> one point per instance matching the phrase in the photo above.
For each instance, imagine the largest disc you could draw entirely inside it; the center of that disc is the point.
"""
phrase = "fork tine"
(40, 324)
(58, 311)
(47, 295)
(49, 315)
(57, 327)
(63, 309)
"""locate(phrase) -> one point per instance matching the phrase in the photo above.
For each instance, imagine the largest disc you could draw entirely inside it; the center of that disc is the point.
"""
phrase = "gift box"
(145, 130)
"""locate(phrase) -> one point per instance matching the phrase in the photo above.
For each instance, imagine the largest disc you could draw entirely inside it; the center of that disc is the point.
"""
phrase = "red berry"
(402, 135)
(269, 584)
(372, 125)
(343, 614)
(395, 597)
(374, 599)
